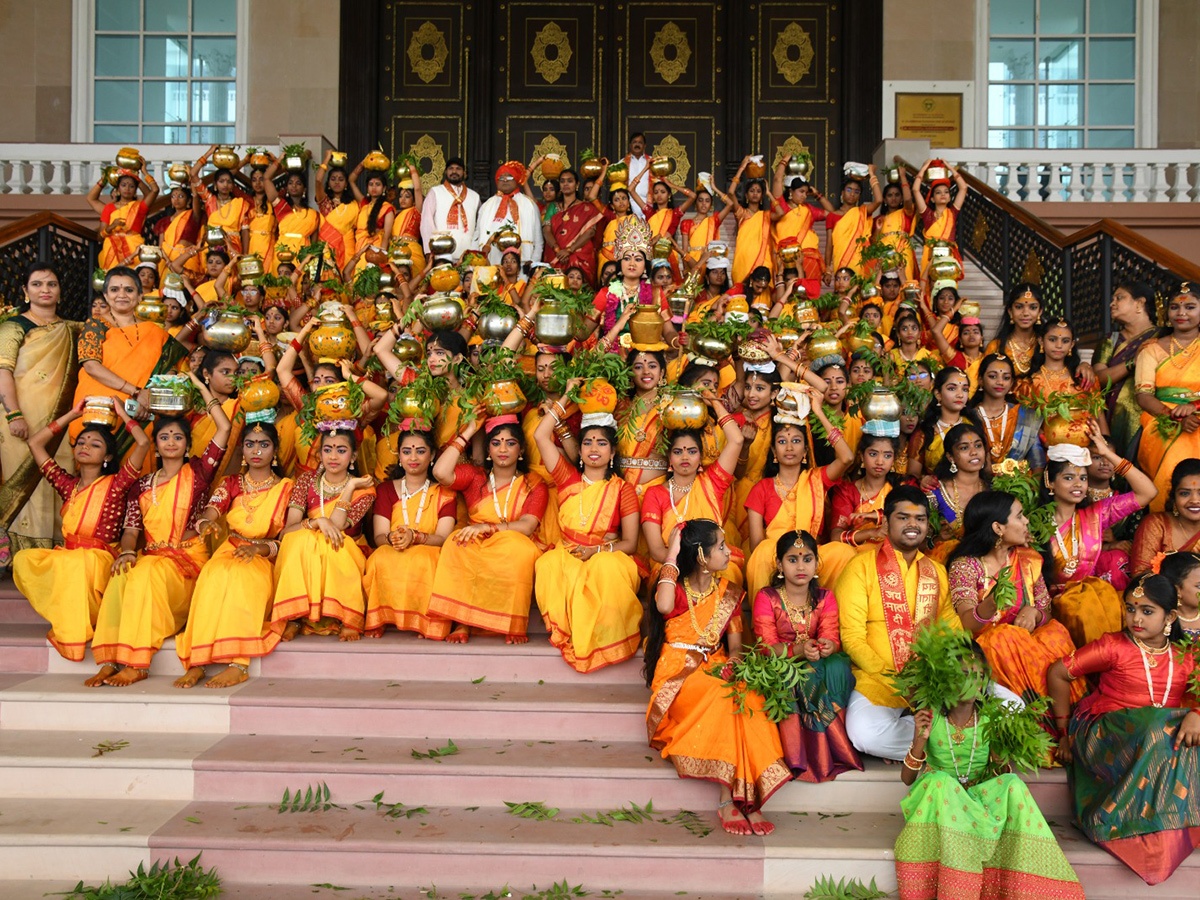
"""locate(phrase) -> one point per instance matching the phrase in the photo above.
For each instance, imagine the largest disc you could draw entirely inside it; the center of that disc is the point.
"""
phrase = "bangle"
(55, 428)
(343, 504)
(459, 443)
(420, 537)
(360, 379)
(1122, 467)
(850, 538)
(263, 347)
(835, 435)
(296, 345)
(669, 571)
(725, 418)
(975, 614)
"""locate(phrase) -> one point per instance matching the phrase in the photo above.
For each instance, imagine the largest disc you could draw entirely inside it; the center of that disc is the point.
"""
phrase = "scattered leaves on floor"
(162, 881)
(314, 798)
(845, 889)
(108, 747)
(397, 810)
(531, 809)
(435, 752)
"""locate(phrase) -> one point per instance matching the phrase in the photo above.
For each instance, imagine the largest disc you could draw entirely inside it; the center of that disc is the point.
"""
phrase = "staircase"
(200, 770)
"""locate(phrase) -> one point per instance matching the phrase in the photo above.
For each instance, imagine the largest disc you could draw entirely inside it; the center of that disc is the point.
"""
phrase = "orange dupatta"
(173, 243)
(753, 246)
(847, 252)
(898, 617)
(81, 516)
(593, 522)
(165, 522)
(118, 246)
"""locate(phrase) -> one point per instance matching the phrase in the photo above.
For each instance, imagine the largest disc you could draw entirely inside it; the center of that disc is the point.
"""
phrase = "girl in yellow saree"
(339, 210)
(261, 225)
(413, 517)
(621, 209)
(322, 556)
(1168, 391)
(754, 244)
(375, 220)
(692, 719)
(148, 598)
(791, 497)
(691, 493)
(639, 425)
(64, 585)
(122, 219)
(849, 226)
(230, 618)
(895, 224)
(586, 586)
(406, 229)
(485, 575)
(939, 217)
(181, 233)
(296, 220)
(705, 227)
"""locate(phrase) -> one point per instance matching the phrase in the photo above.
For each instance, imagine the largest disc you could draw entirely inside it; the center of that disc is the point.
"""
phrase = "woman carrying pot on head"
(850, 222)
(376, 217)
(939, 216)
(181, 232)
(297, 221)
(148, 598)
(123, 217)
(226, 206)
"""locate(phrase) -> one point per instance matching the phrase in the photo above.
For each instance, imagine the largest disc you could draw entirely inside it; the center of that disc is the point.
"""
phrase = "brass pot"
(552, 165)
(285, 255)
(333, 338)
(662, 247)
(554, 279)
(1058, 430)
(893, 175)
(494, 328)
(552, 325)
(946, 267)
(167, 397)
(806, 313)
(225, 157)
(882, 405)
(151, 309)
(789, 253)
(823, 344)
(408, 350)
(788, 339)
(228, 333)
(710, 347)
(259, 393)
(969, 309)
(387, 281)
(484, 276)
(179, 174)
(507, 239)
(854, 343)
(260, 160)
(409, 407)
(646, 326)
(442, 312)
(149, 253)
(591, 168)
(337, 159)
(129, 158)
(662, 166)
(250, 266)
(868, 291)
(505, 398)
(376, 161)
(937, 171)
(99, 411)
(618, 174)
(294, 163)
(442, 244)
(444, 278)
(756, 167)
(685, 410)
(385, 313)
(678, 303)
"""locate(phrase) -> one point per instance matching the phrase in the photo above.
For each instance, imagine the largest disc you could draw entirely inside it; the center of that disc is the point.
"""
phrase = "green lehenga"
(985, 838)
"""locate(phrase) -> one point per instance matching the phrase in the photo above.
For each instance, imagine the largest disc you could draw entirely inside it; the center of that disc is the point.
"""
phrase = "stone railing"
(74, 168)
(1108, 176)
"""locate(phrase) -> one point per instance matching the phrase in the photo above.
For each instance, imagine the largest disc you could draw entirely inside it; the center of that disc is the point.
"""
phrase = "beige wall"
(907, 52)
(292, 78)
(35, 77)
(1178, 74)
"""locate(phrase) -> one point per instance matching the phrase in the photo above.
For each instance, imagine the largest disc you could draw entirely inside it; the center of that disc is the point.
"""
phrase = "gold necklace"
(798, 617)
(1179, 349)
(251, 488)
(708, 636)
(790, 490)
(1149, 654)
(1099, 493)
(960, 731)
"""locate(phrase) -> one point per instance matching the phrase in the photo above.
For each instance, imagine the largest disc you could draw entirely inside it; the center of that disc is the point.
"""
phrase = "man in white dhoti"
(451, 207)
(512, 208)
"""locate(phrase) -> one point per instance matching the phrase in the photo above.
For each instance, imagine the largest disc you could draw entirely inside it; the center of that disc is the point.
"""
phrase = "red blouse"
(1122, 683)
(714, 481)
(109, 522)
(386, 498)
(306, 495)
(765, 500)
(773, 626)
(472, 482)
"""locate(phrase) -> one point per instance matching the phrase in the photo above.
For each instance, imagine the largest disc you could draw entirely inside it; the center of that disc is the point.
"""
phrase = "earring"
(953, 468)
(1167, 628)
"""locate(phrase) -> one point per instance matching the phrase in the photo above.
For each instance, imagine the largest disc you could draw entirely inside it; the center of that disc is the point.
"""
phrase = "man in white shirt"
(451, 207)
(637, 160)
(510, 207)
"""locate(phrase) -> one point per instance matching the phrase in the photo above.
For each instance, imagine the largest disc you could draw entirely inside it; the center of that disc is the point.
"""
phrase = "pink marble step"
(40, 890)
(23, 647)
(14, 608)
(404, 656)
(577, 711)
(483, 846)
(576, 774)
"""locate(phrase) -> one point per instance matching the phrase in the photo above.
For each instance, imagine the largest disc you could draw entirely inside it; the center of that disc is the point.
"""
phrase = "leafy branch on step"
(395, 810)
(531, 809)
(314, 799)
(632, 813)
(434, 752)
(108, 747)
(561, 891)
(162, 881)
(852, 889)
(690, 821)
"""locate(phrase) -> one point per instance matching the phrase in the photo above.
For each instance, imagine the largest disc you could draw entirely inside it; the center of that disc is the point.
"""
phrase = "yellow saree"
(754, 247)
(1174, 378)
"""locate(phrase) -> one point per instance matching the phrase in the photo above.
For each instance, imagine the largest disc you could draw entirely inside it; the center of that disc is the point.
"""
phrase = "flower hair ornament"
(327, 425)
(1156, 563)
(633, 236)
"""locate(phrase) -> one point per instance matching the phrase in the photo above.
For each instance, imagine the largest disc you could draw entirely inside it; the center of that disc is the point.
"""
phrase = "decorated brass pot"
(893, 175)
(788, 339)
(228, 333)
(662, 247)
(552, 325)
(168, 394)
(442, 312)
(385, 313)
(250, 266)
(1058, 430)
(410, 407)
(937, 171)
(505, 398)
(225, 157)
(946, 267)
(597, 396)
(507, 239)
(408, 350)
(854, 343)
(554, 279)
(129, 158)
(444, 278)
(442, 243)
(333, 338)
(883, 405)
(151, 309)
(260, 160)
(259, 393)
(969, 309)
(789, 252)
(338, 158)
(552, 165)
(285, 255)
(646, 326)
(376, 161)
(710, 347)
(868, 291)
(662, 166)
(494, 328)
(333, 403)
(685, 410)
(806, 313)
(591, 168)
(99, 411)
(618, 174)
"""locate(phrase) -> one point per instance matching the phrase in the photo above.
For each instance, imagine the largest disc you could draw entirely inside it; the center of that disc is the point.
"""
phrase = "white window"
(1064, 74)
(157, 71)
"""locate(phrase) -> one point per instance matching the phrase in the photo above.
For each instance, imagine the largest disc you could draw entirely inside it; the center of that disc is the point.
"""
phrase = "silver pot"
(496, 327)
(553, 325)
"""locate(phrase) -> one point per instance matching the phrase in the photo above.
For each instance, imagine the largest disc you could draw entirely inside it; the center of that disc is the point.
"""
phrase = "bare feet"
(127, 676)
(732, 821)
(349, 634)
(758, 824)
(516, 639)
(375, 632)
(290, 630)
(190, 678)
(227, 677)
(460, 635)
(106, 671)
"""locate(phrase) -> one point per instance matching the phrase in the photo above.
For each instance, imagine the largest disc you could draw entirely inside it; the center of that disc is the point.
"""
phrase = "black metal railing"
(1076, 273)
(73, 249)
